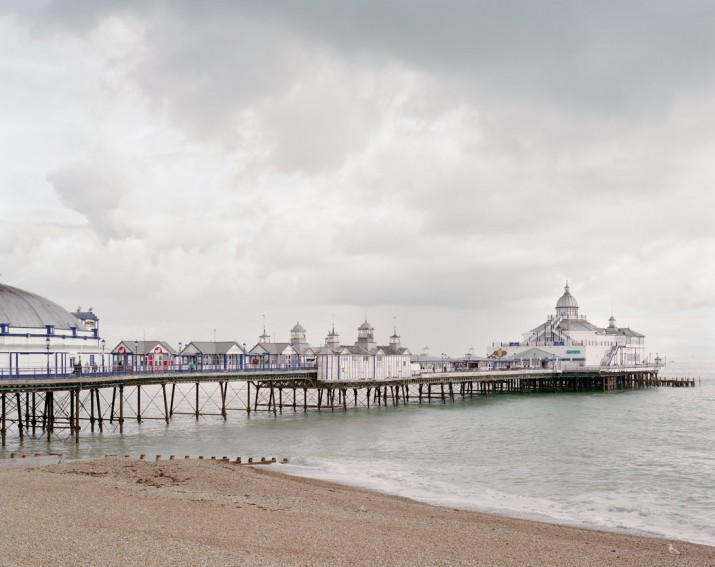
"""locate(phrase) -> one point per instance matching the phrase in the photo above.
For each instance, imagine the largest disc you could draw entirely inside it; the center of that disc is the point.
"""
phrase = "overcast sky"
(189, 166)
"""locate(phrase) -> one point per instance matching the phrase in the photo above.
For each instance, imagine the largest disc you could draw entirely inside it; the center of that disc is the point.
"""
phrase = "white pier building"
(365, 360)
(38, 336)
(569, 339)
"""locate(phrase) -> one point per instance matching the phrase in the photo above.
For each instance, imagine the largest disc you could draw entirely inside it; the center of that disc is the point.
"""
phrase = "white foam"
(611, 511)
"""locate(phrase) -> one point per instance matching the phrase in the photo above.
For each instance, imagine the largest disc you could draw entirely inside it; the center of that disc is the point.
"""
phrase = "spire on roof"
(395, 338)
(333, 339)
(265, 337)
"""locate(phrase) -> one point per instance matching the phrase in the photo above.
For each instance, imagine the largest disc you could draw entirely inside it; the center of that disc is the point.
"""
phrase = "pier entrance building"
(36, 333)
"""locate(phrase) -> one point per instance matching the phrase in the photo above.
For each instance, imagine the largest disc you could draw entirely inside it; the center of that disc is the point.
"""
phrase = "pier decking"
(64, 406)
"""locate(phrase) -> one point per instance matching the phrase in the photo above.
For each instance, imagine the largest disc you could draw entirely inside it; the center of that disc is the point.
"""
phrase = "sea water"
(639, 460)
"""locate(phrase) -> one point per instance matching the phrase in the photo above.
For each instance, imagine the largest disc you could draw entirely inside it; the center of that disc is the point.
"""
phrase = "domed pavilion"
(568, 339)
(37, 336)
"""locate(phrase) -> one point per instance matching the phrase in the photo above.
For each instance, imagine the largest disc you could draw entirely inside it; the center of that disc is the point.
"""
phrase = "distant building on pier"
(569, 339)
(364, 360)
(216, 355)
(269, 354)
(142, 355)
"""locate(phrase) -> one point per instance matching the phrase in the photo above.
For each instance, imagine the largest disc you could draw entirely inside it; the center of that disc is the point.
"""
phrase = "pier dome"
(567, 306)
(20, 308)
(39, 336)
(566, 300)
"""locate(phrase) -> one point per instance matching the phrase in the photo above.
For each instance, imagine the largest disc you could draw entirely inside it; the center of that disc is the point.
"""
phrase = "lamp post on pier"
(104, 343)
(136, 356)
(47, 346)
(179, 355)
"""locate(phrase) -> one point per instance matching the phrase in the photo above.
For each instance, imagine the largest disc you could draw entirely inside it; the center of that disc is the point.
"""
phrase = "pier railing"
(118, 371)
(184, 369)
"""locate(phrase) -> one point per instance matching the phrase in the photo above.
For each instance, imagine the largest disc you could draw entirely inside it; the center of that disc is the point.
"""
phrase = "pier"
(64, 406)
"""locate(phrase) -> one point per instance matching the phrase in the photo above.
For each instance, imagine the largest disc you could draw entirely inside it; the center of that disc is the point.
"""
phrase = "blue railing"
(99, 371)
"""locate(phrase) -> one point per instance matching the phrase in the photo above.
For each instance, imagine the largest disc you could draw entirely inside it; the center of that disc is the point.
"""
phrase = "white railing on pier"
(607, 359)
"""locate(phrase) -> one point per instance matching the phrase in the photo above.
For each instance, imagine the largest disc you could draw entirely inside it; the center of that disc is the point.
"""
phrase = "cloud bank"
(187, 167)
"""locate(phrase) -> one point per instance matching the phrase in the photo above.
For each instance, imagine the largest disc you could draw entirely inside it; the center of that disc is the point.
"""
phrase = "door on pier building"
(157, 357)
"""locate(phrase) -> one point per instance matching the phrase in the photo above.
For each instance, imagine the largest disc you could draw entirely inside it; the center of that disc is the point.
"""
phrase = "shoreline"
(526, 517)
(115, 510)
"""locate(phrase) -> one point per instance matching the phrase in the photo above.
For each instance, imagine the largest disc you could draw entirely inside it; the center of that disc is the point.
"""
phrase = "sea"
(637, 461)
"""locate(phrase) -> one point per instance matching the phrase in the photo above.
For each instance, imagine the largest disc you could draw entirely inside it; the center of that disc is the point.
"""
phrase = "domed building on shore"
(37, 336)
(569, 339)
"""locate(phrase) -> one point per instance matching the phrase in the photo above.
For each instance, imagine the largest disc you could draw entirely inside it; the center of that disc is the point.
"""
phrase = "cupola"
(567, 306)
(366, 336)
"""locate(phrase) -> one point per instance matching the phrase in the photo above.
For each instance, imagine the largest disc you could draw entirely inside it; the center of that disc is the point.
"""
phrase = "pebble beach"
(119, 511)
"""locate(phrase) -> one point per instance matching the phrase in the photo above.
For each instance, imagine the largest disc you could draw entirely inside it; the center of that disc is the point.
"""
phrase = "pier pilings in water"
(62, 408)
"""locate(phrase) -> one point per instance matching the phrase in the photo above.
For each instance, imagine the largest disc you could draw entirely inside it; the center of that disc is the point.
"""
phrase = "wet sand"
(121, 511)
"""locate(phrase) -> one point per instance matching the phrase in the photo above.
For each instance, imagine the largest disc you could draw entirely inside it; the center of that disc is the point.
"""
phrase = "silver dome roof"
(20, 308)
(365, 327)
(298, 328)
(566, 300)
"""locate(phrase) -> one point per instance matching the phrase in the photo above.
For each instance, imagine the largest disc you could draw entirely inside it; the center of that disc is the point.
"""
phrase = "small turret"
(395, 338)
(265, 338)
(298, 337)
(366, 336)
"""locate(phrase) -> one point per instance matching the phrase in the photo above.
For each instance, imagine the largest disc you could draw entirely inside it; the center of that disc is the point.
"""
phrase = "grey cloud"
(250, 84)
(605, 55)
(209, 72)
(540, 76)
(455, 279)
(315, 128)
(608, 56)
